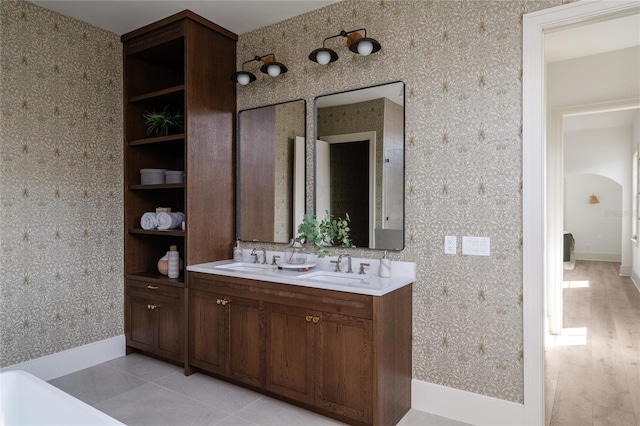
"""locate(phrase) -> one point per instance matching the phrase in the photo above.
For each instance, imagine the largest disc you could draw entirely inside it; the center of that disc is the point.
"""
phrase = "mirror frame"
(239, 167)
(404, 155)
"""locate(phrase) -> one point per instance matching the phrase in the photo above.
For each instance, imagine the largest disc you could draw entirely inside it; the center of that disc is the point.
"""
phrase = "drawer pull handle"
(152, 307)
(222, 302)
(316, 319)
(152, 287)
(308, 318)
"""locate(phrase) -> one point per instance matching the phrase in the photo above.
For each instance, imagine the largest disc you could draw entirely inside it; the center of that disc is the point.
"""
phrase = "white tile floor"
(139, 390)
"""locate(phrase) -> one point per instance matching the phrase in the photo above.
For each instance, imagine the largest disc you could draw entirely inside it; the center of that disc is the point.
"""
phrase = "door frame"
(534, 247)
(370, 137)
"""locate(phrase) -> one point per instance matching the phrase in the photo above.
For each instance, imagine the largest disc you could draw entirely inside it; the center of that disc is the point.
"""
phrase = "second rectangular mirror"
(360, 163)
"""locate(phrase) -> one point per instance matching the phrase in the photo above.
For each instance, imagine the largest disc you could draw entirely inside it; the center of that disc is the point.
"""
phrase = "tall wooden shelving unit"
(185, 62)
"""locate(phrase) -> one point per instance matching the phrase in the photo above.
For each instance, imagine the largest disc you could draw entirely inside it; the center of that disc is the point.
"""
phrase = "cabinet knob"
(152, 306)
(309, 318)
(316, 319)
(222, 301)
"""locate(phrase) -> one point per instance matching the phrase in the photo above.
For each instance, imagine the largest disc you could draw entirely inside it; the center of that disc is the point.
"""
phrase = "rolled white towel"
(169, 220)
(148, 221)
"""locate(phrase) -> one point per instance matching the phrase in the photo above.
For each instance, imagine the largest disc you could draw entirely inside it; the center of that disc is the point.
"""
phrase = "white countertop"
(402, 274)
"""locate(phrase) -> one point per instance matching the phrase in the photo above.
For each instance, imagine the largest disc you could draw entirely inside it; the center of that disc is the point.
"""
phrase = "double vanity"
(335, 342)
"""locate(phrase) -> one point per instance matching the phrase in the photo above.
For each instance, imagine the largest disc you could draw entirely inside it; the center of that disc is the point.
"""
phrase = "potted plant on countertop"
(161, 122)
(318, 235)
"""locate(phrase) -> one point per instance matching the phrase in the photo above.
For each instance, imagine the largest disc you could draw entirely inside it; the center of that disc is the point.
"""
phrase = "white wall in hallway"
(596, 228)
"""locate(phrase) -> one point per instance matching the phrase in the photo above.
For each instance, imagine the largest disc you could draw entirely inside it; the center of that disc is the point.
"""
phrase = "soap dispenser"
(385, 266)
(237, 252)
(173, 262)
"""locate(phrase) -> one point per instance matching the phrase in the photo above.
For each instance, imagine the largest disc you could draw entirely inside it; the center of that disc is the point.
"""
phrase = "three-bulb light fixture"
(356, 42)
(270, 66)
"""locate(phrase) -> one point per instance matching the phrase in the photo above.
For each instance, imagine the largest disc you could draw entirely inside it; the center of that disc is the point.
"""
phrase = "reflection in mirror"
(360, 163)
(271, 164)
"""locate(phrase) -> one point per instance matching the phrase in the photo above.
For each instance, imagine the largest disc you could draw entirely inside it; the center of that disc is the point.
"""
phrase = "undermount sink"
(244, 267)
(334, 277)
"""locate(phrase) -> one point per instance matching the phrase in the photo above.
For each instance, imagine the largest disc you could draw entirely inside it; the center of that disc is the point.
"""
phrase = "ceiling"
(592, 39)
(239, 16)
(601, 120)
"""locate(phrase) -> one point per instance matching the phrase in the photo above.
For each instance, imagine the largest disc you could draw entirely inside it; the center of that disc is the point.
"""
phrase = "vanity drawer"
(159, 292)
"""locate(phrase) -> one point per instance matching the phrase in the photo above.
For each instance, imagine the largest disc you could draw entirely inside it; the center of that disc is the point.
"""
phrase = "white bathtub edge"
(66, 362)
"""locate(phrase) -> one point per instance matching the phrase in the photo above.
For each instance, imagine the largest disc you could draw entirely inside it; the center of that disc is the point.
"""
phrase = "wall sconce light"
(355, 41)
(593, 199)
(270, 66)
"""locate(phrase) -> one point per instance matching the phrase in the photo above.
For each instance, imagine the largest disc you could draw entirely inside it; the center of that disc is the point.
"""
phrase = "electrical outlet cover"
(450, 244)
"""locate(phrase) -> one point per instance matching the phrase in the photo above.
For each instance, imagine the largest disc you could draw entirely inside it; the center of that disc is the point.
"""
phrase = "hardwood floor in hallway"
(592, 370)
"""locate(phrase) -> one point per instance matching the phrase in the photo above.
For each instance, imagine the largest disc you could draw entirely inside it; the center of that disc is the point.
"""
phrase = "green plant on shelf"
(160, 122)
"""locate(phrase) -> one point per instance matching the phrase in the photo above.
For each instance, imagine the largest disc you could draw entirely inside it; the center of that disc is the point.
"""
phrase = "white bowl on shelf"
(152, 176)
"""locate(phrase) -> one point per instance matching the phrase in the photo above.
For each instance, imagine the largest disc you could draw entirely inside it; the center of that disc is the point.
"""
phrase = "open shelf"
(170, 91)
(170, 233)
(179, 137)
(158, 186)
(157, 278)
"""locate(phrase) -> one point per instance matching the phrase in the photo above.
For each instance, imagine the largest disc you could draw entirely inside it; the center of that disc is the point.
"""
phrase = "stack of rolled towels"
(162, 220)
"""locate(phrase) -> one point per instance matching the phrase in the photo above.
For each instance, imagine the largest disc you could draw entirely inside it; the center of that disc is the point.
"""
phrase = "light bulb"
(365, 47)
(243, 79)
(273, 70)
(323, 57)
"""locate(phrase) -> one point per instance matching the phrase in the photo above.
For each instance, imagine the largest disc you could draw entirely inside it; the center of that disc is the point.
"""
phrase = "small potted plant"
(159, 123)
(318, 235)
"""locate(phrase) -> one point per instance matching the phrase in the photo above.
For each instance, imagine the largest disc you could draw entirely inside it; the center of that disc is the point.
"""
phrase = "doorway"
(535, 245)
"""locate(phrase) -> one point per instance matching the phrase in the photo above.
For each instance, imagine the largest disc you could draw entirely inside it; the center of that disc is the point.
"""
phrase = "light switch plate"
(450, 244)
(476, 246)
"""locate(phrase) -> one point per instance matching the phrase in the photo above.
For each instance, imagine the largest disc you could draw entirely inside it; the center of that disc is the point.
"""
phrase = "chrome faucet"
(348, 256)
(264, 255)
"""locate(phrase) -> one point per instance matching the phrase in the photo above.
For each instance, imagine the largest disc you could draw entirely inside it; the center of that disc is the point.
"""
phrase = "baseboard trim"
(598, 257)
(625, 271)
(636, 280)
(72, 360)
(465, 406)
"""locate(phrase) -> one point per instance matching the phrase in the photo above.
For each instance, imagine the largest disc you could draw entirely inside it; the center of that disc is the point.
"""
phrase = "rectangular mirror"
(359, 163)
(271, 171)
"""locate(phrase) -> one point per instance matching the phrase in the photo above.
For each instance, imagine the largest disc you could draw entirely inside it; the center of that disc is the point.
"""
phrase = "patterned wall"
(289, 124)
(461, 62)
(61, 183)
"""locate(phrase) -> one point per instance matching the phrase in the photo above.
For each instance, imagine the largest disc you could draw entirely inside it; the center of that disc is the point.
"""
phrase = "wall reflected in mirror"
(359, 163)
(271, 171)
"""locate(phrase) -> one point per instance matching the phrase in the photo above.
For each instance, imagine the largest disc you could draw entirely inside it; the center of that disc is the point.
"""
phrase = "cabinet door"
(290, 357)
(169, 318)
(141, 325)
(207, 331)
(246, 340)
(343, 366)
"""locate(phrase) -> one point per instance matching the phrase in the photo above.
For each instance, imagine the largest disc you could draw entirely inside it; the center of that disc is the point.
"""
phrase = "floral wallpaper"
(61, 263)
(289, 124)
(461, 62)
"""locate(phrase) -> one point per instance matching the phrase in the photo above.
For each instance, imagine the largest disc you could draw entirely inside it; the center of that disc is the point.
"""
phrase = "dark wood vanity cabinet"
(226, 335)
(321, 358)
(154, 318)
(342, 354)
(181, 63)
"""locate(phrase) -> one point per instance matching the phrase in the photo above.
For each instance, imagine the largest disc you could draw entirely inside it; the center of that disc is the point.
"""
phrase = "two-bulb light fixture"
(356, 42)
(270, 66)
